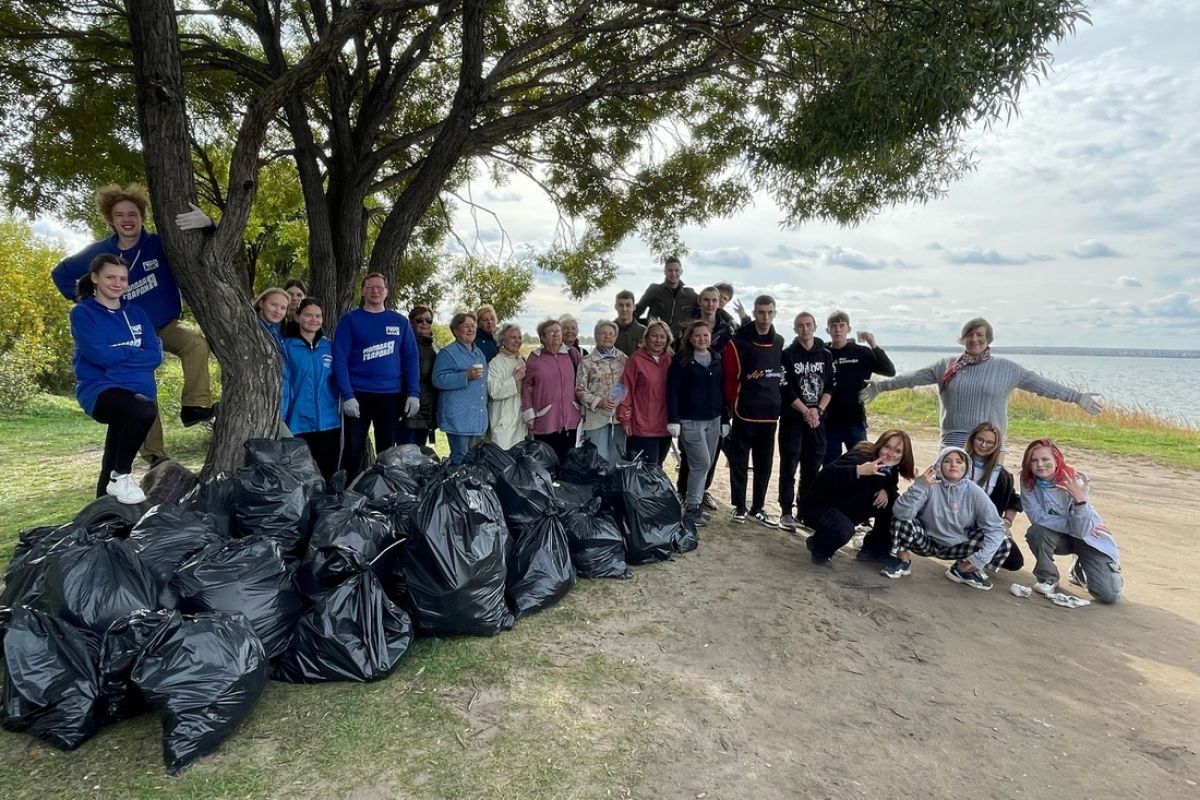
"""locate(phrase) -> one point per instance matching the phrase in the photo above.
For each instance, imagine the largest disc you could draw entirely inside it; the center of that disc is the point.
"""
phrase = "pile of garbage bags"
(269, 574)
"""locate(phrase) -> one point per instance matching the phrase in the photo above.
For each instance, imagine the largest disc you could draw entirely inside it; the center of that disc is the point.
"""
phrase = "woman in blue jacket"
(311, 409)
(460, 376)
(116, 353)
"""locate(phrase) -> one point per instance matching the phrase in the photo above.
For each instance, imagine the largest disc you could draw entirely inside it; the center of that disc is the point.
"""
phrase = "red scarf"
(961, 362)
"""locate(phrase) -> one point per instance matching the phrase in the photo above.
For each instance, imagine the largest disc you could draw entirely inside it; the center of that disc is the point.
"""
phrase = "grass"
(1118, 431)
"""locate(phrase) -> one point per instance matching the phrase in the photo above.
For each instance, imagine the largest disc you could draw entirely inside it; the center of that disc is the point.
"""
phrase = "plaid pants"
(910, 535)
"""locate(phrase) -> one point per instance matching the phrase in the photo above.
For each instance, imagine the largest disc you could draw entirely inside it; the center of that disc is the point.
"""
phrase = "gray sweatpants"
(1101, 574)
(698, 438)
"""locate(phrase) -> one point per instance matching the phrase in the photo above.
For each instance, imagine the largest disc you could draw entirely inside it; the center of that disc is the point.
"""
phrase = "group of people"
(674, 371)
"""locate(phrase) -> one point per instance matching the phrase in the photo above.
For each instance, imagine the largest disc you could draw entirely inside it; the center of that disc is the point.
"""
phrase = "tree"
(635, 117)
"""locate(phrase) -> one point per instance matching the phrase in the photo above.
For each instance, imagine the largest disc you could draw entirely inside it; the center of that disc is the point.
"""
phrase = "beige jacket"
(594, 381)
(505, 426)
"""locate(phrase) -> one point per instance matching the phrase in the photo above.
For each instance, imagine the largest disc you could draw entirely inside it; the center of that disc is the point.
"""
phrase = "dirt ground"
(787, 680)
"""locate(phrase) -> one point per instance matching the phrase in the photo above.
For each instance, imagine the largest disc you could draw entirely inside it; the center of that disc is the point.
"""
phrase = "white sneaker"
(125, 490)
(1045, 589)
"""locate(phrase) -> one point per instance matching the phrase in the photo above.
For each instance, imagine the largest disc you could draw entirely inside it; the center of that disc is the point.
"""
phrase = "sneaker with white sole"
(1046, 589)
(976, 579)
(1077, 575)
(896, 568)
(738, 516)
(764, 519)
(787, 522)
(125, 490)
(709, 502)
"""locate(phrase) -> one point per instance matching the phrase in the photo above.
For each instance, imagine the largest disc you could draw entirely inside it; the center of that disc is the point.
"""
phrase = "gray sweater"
(950, 511)
(979, 393)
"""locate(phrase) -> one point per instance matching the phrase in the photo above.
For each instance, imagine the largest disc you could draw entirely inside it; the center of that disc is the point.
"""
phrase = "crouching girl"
(1063, 521)
(944, 514)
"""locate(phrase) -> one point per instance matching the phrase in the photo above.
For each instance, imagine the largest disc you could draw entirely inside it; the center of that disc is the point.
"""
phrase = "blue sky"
(1081, 225)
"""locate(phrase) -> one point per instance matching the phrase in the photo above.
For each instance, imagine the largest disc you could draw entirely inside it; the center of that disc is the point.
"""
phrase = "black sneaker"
(975, 578)
(764, 519)
(194, 415)
(896, 568)
(738, 516)
(709, 502)
(1076, 575)
(694, 516)
(817, 558)
(871, 557)
(788, 523)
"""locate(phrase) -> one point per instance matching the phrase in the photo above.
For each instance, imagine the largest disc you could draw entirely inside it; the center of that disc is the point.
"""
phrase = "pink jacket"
(643, 409)
(550, 384)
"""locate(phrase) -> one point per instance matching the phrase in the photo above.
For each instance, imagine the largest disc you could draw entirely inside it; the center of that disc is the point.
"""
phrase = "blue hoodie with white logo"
(151, 284)
(114, 349)
(376, 351)
(311, 395)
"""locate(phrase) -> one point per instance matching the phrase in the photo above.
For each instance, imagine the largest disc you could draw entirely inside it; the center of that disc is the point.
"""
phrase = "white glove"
(1089, 403)
(869, 393)
(412, 407)
(672, 429)
(194, 220)
(725, 429)
(350, 408)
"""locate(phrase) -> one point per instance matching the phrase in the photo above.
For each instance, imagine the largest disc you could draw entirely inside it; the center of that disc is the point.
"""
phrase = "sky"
(1080, 226)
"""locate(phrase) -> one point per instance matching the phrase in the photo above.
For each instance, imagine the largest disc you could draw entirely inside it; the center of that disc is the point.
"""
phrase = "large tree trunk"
(203, 264)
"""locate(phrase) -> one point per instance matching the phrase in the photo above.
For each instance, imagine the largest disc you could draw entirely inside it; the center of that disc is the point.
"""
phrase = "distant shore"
(1103, 352)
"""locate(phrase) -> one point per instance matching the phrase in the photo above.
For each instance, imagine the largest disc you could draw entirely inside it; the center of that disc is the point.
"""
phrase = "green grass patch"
(1118, 431)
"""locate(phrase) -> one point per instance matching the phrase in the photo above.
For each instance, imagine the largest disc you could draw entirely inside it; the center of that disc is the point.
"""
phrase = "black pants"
(561, 441)
(803, 447)
(379, 408)
(684, 470)
(129, 417)
(653, 448)
(746, 440)
(832, 530)
(325, 447)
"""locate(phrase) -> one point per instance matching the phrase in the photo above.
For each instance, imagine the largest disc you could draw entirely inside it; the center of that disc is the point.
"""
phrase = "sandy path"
(796, 681)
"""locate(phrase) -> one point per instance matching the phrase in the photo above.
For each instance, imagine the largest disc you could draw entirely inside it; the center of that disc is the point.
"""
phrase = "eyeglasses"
(423, 321)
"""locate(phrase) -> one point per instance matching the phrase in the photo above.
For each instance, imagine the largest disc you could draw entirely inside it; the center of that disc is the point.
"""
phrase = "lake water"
(1166, 387)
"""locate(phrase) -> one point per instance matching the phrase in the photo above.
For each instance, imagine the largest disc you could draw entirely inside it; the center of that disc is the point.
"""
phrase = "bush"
(17, 385)
(35, 334)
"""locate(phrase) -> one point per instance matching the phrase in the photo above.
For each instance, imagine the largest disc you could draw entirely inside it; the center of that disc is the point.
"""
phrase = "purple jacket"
(549, 385)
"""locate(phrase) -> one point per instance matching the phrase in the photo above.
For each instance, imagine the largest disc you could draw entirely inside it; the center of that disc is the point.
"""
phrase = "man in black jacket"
(753, 367)
(846, 419)
(808, 383)
(670, 301)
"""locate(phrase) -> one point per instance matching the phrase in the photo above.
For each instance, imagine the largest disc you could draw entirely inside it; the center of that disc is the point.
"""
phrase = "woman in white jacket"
(505, 373)
(1063, 521)
(945, 514)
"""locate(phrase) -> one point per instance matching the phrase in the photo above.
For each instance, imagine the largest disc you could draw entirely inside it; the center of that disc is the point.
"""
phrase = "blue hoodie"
(376, 352)
(114, 349)
(311, 397)
(151, 284)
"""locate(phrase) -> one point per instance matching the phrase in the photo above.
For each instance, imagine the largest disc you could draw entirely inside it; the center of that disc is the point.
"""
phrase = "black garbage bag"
(122, 644)
(111, 513)
(204, 674)
(491, 459)
(540, 452)
(597, 546)
(274, 503)
(526, 492)
(344, 523)
(569, 496)
(352, 633)
(50, 686)
(646, 509)
(169, 535)
(405, 456)
(688, 538)
(454, 560)
(96, 581)
(24, 580)
(540, 572)
(380, 481)
(584, 465)
(217, 497)
(168, 482)
(246, 576)
(291, 455)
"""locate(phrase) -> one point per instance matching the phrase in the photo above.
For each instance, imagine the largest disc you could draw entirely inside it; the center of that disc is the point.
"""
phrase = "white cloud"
(910, 292)
(979, 255)
(729, 257)
(1092, 248)
(1129, 282)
